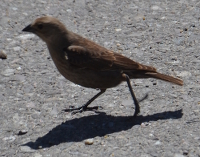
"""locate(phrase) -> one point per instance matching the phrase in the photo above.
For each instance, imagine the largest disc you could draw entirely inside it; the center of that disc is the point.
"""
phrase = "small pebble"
(185, 152)
(22, 132)
(162, 18)
(106, 136)
(145, 124)
(9, 139)
(118, 44)
(151, 135)
(118, 29)
(19, 68)
(3, 55)
(89, 141)
(157, 143)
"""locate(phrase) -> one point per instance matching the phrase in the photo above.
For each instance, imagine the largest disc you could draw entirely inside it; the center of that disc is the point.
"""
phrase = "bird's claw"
(81, 109)
(77, 111)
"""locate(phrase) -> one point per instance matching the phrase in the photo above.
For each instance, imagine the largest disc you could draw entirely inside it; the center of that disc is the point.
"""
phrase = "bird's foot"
(81, 109)
(137, 111)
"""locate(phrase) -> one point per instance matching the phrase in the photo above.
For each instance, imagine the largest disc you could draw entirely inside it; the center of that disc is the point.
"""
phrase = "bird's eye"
(40, 26)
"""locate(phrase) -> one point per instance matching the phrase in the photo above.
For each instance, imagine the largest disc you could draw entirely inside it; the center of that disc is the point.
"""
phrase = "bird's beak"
(28, 29)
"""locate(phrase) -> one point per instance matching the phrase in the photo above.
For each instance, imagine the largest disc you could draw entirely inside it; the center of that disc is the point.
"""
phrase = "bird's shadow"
(83, 128)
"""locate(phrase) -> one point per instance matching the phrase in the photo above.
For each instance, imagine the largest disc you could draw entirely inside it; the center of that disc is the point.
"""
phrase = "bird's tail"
(154, 74)
(164, 77)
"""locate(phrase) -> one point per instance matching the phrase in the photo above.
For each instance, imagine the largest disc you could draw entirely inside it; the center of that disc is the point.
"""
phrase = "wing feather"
(102, 59)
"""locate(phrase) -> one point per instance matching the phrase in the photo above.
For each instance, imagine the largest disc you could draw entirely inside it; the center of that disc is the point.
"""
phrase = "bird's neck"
(57, 43)
(55, 50)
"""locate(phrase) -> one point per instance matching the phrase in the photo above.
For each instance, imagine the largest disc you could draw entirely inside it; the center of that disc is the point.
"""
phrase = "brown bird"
(88, 64)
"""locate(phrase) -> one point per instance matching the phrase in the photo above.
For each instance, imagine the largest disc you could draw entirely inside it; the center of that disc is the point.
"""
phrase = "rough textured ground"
(164, 34)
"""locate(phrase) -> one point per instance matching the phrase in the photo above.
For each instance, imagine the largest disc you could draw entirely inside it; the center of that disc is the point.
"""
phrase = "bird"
(88, 64)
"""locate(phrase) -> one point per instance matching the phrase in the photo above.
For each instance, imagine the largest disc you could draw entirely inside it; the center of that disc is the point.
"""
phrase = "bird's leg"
(85, 106)
(137, 107)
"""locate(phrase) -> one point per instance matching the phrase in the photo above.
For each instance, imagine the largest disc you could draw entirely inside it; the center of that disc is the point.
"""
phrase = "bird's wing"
(128, 64)
(101, 59)
(83, 58)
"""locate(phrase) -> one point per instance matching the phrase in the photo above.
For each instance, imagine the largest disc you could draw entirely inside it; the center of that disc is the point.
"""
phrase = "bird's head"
(46, 28)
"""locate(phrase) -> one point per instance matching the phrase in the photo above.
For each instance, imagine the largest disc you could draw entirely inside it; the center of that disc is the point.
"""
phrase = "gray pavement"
(164, 34)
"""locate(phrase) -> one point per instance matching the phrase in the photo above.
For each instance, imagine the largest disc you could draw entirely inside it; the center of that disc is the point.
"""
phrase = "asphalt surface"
(163, 34)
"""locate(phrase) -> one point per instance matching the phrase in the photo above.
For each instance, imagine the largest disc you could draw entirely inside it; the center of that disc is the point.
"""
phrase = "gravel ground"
(164, 34)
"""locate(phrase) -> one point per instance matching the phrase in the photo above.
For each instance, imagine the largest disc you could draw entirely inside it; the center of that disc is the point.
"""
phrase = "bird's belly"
(92, 78)
(89, 78)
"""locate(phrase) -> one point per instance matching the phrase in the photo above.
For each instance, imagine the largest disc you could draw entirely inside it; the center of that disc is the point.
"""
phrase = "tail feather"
(165, 78)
